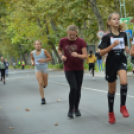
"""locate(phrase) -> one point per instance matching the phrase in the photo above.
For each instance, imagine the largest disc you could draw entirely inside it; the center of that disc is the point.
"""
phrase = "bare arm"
(60, 51)
(63, 58)
(84, 54)
(48, 56)
(109, 48)
(132, 50)
(32, 58)
(81, 56)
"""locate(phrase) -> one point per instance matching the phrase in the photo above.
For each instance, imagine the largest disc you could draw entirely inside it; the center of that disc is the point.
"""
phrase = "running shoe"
(44, 86)
(77, 112)
(111, 118)
(71, 114)
(93, 79)
(43, 101)
(124, 111)
(4, 82)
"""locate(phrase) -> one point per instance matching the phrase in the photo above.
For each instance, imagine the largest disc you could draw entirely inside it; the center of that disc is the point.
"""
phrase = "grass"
(60, 66)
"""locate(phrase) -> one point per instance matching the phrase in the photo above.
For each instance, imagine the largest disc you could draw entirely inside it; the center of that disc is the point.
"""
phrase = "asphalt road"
(21, 92)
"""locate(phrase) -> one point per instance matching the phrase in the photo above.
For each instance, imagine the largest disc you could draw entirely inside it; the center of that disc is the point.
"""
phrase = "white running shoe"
(93, 79)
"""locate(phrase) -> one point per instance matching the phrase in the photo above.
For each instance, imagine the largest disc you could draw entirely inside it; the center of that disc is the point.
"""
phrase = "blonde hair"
(121, 26)
(38, 41)
(72, 28)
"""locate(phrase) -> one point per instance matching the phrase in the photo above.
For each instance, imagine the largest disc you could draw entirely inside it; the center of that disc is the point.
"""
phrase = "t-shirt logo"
(121, 45)
(71, 48)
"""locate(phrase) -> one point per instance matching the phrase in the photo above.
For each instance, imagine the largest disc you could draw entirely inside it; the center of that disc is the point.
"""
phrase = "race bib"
(121, 45)
(133, 41)
(37, 62)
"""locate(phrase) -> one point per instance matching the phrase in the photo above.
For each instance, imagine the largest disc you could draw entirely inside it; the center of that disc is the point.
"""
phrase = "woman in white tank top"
(39, 59)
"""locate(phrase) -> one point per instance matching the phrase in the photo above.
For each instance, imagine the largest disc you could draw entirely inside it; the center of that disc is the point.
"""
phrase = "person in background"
(99, 60)
(14, 65)
(2, 67)
(91, 62)
(23, 64)
(7, 65)
(19, 63)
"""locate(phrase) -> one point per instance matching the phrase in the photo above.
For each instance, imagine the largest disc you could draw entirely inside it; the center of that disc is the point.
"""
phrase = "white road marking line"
(93, 89)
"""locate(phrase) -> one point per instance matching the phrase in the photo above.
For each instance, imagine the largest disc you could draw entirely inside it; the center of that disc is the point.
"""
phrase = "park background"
(24, 21)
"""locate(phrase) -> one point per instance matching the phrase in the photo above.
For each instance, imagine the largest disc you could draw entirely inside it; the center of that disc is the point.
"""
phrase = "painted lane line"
(93, 89)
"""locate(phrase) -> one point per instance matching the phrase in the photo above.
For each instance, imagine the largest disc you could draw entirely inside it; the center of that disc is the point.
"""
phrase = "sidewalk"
(129, 74)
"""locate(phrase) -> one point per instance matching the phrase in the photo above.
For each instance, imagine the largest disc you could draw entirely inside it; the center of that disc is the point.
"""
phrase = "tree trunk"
(97, 14)
(117, 5)
(49, 42)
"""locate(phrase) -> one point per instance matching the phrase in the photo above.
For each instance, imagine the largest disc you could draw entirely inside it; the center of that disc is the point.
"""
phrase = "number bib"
(121, 45)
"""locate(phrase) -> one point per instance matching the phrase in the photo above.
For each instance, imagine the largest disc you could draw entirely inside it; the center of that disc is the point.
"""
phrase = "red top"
(72, 63)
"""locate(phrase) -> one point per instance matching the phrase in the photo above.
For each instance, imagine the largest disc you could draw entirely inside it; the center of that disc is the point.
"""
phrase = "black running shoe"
(4, 82)
(71, 114)
(43, 101)
(44, 86)
(77, 112)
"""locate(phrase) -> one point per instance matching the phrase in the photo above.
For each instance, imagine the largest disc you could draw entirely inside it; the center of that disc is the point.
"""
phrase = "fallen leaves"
(27, 110)
(18, 108)
(58, 100)
(56, 124)
(11, 128)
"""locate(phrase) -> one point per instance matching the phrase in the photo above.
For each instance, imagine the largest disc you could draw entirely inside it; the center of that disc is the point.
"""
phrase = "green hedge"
(60, 66)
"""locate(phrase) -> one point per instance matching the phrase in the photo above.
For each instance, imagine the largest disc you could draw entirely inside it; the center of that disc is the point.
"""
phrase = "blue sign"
(129, 33)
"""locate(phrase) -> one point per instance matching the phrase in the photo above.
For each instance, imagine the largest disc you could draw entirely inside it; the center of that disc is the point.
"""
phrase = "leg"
(39, 76)
(111, 92)
(123, 92)
(79, 79)
(93, 70)
(45, 80)
(101, 64)
(98, 65)
(70, 76)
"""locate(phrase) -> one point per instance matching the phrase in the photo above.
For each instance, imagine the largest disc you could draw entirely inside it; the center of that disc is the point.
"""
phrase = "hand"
(63, 58)
(74, 54)
(33, 64)
(41, 61)
(116, 42)
(127, 50)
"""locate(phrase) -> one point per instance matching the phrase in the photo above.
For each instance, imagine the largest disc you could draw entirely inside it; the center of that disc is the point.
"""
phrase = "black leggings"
(74, 79)
(91, 66)
(3, 73)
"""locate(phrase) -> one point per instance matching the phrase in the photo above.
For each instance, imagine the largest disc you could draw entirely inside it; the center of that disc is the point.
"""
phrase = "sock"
(123, 94)
(110, 102)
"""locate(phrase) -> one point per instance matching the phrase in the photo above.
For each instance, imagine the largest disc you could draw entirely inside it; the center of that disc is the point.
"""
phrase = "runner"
(114, 43)
(2, 68)
(7, 64)
(39, 59)
(23, 65)
(132, 49)
(99, 60)
(72, 51)
(91, 62)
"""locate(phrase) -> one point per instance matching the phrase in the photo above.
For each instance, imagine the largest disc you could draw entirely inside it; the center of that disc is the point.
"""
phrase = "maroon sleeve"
(60, 43)
(83, 44)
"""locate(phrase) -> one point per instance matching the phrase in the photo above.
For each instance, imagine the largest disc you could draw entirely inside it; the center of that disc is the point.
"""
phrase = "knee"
(112, 91)
(124, 83)
(40, 83)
